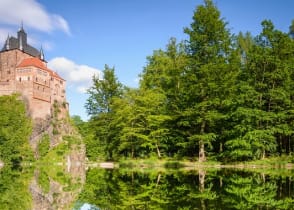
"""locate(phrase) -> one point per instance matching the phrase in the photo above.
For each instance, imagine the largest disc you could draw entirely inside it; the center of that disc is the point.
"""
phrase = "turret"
(7, 45)
(41, 55)
(22, 38)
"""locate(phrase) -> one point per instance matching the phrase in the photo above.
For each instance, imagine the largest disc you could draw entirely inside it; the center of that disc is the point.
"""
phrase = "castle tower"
(22, 38)
(23, 70)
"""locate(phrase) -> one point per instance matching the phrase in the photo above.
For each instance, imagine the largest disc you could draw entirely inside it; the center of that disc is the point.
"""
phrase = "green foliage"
(218, 95)
(44, 181)
(14, 188)
(195, 189)
(44, 145)
(100, 137)
(15, 130)
(102, 92)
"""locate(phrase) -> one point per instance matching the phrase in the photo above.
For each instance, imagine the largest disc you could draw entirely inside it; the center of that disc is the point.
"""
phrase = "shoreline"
(172, 164)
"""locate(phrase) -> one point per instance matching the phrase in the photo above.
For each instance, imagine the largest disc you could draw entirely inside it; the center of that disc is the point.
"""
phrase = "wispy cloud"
(4, 33)
(78, 76)
(33, 14)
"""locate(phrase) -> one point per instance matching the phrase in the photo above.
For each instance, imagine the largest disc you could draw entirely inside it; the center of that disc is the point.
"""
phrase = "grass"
(270, 162)
(169, 163)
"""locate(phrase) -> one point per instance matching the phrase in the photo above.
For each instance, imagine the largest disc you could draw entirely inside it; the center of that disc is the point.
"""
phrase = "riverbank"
(284, 162)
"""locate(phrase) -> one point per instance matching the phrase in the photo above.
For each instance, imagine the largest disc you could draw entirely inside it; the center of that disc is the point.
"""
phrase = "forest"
(215, 96)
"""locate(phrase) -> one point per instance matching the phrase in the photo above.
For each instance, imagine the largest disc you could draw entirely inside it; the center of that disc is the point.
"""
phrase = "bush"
(44, 146)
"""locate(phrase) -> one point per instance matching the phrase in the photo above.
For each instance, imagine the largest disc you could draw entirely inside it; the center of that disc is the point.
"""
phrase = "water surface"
(58, 188)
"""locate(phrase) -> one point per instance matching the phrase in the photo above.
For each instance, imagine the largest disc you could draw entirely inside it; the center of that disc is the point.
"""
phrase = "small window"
(20, 79)
(29, 78)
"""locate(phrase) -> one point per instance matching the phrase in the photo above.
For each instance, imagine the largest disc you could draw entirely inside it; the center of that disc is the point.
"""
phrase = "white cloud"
(3, 34)
(76, 75)
(32, 14)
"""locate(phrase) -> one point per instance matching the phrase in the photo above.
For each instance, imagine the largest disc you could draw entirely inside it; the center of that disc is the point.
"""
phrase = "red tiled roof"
(36, 62)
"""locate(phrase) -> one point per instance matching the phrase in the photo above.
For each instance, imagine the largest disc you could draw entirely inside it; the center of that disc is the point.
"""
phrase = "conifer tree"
(209, 77)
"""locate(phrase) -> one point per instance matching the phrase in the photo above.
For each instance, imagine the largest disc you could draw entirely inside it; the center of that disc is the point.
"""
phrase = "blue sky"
(80, 37)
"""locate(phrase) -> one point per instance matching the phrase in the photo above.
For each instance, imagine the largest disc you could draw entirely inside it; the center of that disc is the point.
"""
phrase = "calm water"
(56, 188)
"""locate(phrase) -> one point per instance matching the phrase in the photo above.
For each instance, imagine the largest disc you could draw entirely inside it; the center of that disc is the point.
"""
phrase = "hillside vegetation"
(15, 131)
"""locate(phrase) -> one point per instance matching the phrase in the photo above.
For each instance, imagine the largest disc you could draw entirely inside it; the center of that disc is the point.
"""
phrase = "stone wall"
(8, 63)
(40, 87)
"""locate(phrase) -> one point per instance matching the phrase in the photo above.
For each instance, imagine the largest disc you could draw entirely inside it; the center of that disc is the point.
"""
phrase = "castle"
(24, 70)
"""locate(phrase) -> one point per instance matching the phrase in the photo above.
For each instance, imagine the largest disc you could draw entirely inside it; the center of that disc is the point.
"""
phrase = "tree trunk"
(132, 151)
(158, 179)
(202, 157)
(202, 187)
(221, 147)
(202, 174)
(263, 154)
(158, 151)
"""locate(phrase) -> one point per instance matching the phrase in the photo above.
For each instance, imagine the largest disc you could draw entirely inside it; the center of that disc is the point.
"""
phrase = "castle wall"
(34, 84)
(58, 89)
(8, 62)
(39, 86)
(39, 108)
(7, 87)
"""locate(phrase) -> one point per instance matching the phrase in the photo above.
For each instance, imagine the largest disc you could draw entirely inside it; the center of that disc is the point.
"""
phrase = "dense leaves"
(15, 130)
(223, 189)
(214, 95)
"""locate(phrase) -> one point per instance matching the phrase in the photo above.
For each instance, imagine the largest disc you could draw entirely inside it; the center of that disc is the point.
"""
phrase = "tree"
(102, 92)
(141, 118)
(210, 76)
(15, 130)
(163, 74)
(264, 105)
(291, 29)
(98, 106)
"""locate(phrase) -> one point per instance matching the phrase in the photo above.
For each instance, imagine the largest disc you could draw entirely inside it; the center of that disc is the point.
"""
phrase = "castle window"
(36, 79)
(29, 78)
(20, 79)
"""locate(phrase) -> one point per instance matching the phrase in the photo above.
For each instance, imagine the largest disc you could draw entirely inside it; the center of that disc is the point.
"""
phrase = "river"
(54, 187)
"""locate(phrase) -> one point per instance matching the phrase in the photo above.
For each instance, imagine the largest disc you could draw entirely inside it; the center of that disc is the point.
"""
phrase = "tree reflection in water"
(52, 188)
(202, 189)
